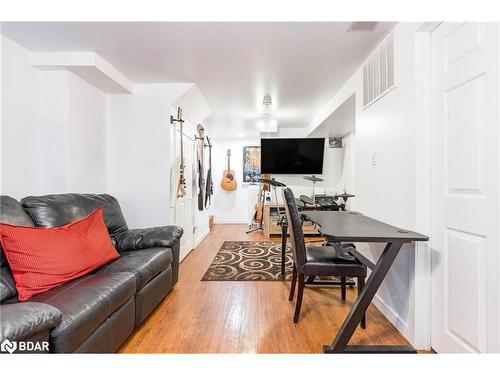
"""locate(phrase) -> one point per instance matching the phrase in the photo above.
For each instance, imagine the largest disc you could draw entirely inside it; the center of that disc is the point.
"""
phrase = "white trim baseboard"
(201, 237)
(393, 317)
(230, 221)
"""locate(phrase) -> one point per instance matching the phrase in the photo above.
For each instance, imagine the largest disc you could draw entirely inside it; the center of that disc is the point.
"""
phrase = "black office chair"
(329, 260)
(300, 205)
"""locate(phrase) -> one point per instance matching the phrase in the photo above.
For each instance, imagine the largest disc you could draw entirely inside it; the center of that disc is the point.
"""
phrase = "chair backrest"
(295, 228)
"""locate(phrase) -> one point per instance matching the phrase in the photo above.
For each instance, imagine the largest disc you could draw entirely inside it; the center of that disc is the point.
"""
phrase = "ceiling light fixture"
(267, 101)
(266, 122)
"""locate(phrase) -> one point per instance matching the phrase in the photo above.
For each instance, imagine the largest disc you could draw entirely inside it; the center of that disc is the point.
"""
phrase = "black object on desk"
(355, 227)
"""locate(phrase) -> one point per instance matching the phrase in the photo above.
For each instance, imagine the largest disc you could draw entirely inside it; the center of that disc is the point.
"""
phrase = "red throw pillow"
(43, 258)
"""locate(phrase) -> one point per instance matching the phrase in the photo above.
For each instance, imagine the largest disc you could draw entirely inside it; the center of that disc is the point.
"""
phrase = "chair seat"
(333, 254)
(331, 261)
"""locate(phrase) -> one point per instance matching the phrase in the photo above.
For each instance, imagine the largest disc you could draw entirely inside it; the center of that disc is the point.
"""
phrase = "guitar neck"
(182, 148)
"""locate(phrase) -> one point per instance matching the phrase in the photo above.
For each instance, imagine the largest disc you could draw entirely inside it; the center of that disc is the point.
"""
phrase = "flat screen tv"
(292, 155)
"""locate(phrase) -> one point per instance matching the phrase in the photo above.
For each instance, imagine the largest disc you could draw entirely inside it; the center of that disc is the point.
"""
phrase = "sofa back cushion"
(43, 258)
(11, 212)
(59, 209)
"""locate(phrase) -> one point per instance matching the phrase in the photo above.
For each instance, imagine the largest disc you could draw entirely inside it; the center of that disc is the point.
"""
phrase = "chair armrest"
(136, 239)
(21, 321)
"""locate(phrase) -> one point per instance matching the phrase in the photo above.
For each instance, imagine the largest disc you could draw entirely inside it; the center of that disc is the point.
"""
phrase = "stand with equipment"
(313, 179)
(258, 218)
(282, 222)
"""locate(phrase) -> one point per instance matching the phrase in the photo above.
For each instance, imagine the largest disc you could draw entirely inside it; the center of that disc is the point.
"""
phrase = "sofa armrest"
(168, 236)
(136, 239)
(25, 320)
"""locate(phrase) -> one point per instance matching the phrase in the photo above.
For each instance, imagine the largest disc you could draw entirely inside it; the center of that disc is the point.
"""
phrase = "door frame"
(423, 184)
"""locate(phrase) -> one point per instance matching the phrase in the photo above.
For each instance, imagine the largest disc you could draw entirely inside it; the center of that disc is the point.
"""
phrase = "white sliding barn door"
(465, 188)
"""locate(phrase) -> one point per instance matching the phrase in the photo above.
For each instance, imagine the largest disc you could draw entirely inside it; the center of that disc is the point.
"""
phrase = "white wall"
(20, 133)
(232, 206)
(62, 134)
(139, 152)
(53, 129)
(87, 138)
(341, 166)
(386, 191)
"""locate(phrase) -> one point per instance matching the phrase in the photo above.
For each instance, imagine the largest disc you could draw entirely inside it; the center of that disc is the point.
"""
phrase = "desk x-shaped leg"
(379, 271)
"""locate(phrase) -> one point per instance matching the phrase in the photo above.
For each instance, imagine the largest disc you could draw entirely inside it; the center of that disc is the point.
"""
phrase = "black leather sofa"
(97, 312)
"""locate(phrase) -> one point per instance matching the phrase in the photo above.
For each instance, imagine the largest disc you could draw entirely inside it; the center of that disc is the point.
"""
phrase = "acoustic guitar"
(228, 177)
(200, 155)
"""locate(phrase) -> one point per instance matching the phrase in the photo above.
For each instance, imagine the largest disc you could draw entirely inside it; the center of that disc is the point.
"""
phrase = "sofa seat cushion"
(145, 264)
(85, 303)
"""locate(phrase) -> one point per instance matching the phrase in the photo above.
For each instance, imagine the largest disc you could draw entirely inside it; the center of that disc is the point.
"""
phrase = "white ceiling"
(301, 64)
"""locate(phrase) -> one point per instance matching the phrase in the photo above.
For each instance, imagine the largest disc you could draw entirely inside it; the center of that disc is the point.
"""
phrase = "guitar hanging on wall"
(200, 155)
(228, 178)
(209, 184)
(179, 164)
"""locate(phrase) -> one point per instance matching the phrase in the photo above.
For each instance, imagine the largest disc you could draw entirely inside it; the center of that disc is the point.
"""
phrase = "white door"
(183, 209)
(465, 203)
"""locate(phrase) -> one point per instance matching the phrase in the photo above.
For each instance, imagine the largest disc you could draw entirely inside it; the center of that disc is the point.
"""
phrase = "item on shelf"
(210, 182)
(179, 165)
(228, 177)
(200, 153)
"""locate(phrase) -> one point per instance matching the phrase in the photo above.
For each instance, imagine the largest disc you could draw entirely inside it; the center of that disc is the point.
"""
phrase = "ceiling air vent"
(362, 27)
(378, 72)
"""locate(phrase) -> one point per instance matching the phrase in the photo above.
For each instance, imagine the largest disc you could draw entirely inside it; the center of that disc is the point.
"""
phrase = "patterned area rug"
(249, 261)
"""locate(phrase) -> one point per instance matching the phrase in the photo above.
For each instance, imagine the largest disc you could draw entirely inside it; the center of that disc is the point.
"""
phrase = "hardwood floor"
(247, 317)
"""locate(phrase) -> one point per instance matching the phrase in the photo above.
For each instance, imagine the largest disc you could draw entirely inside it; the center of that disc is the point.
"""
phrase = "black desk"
(355, 227)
